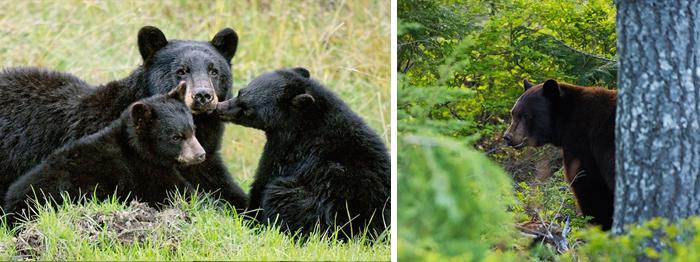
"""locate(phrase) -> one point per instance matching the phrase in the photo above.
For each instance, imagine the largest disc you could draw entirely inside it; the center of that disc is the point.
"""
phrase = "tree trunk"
(658, 117)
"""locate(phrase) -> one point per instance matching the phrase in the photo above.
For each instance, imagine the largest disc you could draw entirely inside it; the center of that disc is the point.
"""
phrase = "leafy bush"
(677, 241)
(452, 201)
(552, 198)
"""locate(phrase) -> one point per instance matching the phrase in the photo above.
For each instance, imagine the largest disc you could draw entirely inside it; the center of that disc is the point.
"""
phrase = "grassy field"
(344, 44)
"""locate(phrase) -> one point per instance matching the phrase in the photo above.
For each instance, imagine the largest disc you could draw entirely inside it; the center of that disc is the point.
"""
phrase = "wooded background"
(460, 70)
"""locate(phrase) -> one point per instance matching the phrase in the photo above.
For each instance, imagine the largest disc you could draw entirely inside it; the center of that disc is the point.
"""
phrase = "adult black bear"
(41, 110)
(580, 120)
(134, 157)
(321, 165)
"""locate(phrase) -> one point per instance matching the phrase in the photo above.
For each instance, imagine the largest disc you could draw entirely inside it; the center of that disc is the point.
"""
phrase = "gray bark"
(657, 128)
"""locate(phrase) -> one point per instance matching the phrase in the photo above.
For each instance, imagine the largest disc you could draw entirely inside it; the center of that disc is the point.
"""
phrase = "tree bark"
(658, 117)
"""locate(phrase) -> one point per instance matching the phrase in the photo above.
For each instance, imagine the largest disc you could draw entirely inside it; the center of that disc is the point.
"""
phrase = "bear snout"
(202, 99)
(192, 152)
(227, 110)
(519, 145)
(203, 96)
(515, 135)
(223, 106)
(508, 139)
(514, 142)
(200, 156)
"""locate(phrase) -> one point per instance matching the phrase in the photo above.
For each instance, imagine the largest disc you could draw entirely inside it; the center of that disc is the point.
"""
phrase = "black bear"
(321, 166)
(41, 110)
(580, 120)
(134, 157)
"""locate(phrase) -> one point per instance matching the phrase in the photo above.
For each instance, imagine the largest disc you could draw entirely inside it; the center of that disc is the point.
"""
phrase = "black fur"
(134, 157)
(321, 163)
(41, 110)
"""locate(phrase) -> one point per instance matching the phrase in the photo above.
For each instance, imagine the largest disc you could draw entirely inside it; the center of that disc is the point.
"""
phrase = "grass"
(212, 233)
(344, 44)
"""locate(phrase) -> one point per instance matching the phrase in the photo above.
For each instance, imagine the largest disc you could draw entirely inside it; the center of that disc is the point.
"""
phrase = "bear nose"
(203, 96)
(508, 138)
(201, 156)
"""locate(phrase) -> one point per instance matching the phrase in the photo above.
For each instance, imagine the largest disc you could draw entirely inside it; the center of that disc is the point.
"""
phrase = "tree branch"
(584, 52)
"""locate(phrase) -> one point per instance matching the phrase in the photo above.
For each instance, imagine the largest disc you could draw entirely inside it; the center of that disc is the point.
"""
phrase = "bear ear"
(141, 115)
(179, 92)
(551, 89)
(526, 84)
(302, 71)
(226, 42)
(303, 100)
(151, 39)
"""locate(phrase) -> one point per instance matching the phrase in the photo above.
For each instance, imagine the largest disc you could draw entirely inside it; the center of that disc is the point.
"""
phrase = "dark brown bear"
(581, 121)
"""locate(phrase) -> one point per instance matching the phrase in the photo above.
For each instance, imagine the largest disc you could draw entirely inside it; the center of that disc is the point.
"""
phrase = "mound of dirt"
(28, 243)
(138, 224)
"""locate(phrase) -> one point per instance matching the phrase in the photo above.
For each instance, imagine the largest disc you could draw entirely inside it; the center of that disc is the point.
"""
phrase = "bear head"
(204, 66)
(532, 115)
(280, 100)
(163, 129)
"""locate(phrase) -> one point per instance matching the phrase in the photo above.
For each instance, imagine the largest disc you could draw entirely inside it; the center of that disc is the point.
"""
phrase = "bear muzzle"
(192, 152)
(201, 99)
(228, 111)
(510, 142)
(516, 142)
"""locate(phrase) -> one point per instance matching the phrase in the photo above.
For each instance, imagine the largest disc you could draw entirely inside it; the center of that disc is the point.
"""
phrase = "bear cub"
(321, 167)
(134, 157)
(581, 121)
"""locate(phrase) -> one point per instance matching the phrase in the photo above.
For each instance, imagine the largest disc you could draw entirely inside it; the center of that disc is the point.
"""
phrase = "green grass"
(213, 233)
(344, 44)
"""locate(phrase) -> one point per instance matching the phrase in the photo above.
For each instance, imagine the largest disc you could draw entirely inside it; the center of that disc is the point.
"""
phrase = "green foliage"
(484, 50)
(452, 201)
(436, 18)
(552, 198)
(425, 24)
(656, 239)
(461, 66)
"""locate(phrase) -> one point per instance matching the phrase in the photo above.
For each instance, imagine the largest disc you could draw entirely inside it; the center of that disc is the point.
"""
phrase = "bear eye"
(177, 138)
(526, 116)
(182, 71)
(214, 72)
